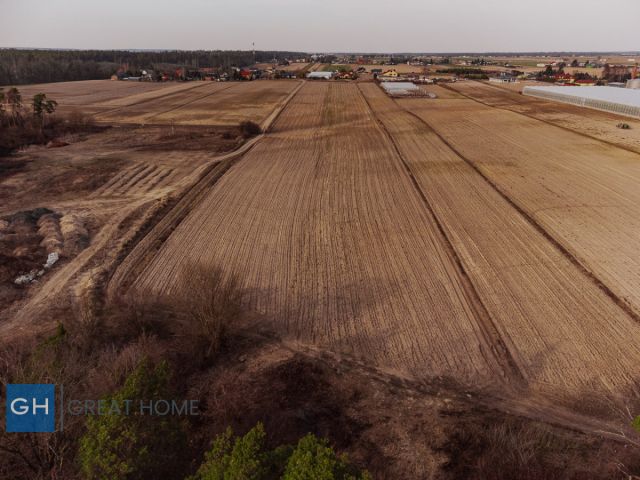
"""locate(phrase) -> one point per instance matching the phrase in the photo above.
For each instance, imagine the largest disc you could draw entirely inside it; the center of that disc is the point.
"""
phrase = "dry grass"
(495, 448)
(99, 346)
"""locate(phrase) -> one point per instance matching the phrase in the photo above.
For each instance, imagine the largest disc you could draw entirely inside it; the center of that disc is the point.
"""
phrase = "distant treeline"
(19, 66)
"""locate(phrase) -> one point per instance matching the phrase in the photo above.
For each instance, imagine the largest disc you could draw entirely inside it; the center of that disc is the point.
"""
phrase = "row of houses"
(390, 73)
(558, 79)
(204, 73)
(569, 79)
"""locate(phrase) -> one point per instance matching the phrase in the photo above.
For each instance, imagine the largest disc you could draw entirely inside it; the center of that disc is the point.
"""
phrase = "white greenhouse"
(400, 88)
(624, 101)
(320, 75)
(405, 89)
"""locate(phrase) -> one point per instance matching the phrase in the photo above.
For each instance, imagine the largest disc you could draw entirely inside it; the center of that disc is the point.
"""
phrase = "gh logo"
(30, 407)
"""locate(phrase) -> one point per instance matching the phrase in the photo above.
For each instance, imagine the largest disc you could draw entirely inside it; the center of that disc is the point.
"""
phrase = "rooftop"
(399, 88)
(319, 74)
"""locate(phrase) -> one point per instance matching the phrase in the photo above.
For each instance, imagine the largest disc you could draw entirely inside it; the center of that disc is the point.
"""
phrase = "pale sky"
(324, 25)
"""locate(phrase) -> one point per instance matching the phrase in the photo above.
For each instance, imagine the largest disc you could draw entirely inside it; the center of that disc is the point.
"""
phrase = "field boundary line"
(485, 322)
(270, 120)
(547, 122)
(531, 220)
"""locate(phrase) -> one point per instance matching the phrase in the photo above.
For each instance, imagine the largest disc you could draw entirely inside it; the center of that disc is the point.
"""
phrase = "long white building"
(624, 101)
(320, 75)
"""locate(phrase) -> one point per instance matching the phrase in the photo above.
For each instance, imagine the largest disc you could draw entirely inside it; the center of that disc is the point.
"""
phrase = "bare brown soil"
(519, 275)
(101, 183)
(593, 215)
(95, 96)
(467, 262)
(597, 124)
(208, 103)
(299, 199)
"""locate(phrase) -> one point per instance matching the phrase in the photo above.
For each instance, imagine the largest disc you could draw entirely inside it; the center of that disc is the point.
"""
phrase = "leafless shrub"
(85, 324)
(209, 302)
(498, 448)
(28, 130)
(41, 455)
(134, 315)
(250, 129)
(78, 120)
(100, 345)
(114, 363)
(227, 135)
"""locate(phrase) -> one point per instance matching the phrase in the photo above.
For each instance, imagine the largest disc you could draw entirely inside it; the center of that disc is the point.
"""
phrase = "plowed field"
(597, 124)
(211, 103)
(561, 328)
(355, 226)
(335, 246)
(581, 191)
(96, 96)
(479, 237)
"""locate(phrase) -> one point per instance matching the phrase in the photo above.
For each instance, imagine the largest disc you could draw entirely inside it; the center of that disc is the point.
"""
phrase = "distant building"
(246, 74)
(320, 75)
(564, 78)
(503, 79)
(390, 73)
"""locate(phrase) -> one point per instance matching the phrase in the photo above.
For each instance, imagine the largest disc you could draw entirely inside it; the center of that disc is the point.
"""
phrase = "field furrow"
(564, 332)
(583, 192)
(333, 244)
